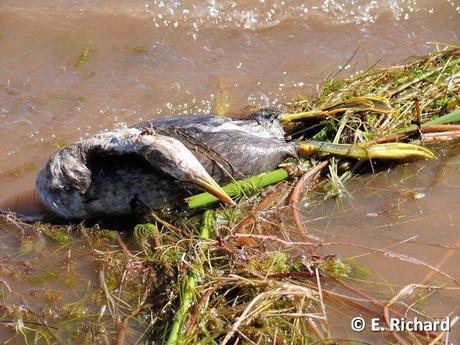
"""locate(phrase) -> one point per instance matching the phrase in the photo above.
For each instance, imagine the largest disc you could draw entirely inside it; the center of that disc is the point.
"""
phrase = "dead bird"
(100, 176)
(162, 161)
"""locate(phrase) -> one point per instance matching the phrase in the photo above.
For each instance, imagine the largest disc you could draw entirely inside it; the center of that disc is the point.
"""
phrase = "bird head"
(170, 156)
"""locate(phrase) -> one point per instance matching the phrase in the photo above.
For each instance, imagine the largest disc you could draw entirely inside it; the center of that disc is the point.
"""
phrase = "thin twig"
(124, 323)
(309, 177)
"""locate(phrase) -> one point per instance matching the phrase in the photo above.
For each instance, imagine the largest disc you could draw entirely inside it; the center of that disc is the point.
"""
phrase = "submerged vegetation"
(249, 274)
(83, 58)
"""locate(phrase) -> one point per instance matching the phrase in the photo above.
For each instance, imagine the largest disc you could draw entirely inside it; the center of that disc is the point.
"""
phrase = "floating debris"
(83, 58)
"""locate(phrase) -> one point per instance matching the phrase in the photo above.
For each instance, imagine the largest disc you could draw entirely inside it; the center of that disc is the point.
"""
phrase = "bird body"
(101, 175)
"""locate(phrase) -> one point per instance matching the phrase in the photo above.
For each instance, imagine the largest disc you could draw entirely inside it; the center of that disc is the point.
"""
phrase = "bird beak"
(213, 188)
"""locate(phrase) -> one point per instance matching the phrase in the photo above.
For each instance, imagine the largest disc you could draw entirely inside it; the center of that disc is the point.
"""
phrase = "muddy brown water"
(411, 212)
(155, 58)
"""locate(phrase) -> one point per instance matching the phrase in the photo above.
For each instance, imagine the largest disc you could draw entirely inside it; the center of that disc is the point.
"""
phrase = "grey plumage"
(157, 162)
(99, 176)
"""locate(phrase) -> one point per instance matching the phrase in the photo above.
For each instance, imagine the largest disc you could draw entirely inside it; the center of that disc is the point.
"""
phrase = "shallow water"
(410, 212)
(54, 286)
(155, 58)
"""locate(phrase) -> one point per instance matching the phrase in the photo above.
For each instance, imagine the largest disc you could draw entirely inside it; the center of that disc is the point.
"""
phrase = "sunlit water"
(411, 212)
(153, 58)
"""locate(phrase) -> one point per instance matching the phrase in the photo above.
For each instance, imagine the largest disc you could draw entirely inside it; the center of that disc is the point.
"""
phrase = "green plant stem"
(206, 226)
(240, 188)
